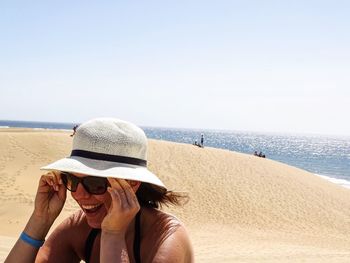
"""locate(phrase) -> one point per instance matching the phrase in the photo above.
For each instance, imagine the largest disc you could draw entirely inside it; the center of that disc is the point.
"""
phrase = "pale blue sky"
(279, 66)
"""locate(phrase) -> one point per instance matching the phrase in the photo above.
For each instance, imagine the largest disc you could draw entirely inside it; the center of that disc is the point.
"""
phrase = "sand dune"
(241, 209)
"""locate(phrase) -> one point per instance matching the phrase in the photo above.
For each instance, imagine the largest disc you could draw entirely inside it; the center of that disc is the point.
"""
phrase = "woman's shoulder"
(160, 219)
(78, 218)
(163, 235)
(75, 223)
(70, 234)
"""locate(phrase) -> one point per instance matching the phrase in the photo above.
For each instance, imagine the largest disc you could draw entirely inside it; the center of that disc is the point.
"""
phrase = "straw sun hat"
(107, 147)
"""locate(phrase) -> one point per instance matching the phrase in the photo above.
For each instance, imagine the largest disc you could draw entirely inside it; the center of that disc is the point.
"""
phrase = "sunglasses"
(92, 184)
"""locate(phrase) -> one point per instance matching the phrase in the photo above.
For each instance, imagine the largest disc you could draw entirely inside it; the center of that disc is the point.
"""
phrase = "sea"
(324, 155)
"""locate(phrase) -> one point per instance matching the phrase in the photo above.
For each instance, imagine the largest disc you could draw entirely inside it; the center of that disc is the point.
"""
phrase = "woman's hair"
(150, 195)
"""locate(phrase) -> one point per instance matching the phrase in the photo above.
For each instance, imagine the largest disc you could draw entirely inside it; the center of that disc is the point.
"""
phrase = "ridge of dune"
(259, 191)
(242, 208)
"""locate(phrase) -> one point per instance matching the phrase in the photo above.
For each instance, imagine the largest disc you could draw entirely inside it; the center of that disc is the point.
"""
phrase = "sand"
(242, 208)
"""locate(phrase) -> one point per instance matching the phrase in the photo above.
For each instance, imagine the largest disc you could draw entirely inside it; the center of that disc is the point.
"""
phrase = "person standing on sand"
(119, 220)
(74, 130)
(202, 140)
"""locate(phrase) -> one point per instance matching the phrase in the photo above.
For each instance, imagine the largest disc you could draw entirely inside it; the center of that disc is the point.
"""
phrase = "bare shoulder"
(70, 235)
(165, 238)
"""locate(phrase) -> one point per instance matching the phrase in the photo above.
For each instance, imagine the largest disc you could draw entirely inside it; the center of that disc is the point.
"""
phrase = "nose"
(80, 193)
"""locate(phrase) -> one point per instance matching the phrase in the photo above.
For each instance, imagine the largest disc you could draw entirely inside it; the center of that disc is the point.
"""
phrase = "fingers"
(123, 208)
(131, 196)
(51, 180)
(122, 191)
(118, 192)
(115, 196)
(118, 197)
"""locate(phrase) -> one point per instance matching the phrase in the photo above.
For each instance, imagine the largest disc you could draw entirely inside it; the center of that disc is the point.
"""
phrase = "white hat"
(107, 147)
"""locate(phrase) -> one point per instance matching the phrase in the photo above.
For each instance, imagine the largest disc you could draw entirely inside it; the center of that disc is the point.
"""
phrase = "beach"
(241, 208)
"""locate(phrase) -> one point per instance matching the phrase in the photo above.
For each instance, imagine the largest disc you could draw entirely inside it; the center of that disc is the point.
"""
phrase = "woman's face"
(95, 207)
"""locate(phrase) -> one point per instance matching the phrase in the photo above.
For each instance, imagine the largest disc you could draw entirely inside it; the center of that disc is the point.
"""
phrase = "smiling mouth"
(91, 208)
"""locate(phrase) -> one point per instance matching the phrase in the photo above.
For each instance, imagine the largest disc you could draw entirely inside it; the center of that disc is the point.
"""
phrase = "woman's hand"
(50, 197)
(123, 208)
(49, 201)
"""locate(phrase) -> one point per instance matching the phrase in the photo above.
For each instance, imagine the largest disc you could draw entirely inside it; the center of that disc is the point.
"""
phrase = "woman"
(119, 221)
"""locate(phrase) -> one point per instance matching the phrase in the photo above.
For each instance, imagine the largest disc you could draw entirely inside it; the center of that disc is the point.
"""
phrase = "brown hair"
(150, 195)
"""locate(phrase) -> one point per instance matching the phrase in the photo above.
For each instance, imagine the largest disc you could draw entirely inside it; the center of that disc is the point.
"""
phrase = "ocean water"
(326, 156)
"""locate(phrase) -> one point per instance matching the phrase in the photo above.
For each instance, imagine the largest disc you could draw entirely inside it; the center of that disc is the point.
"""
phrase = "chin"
(94, 224)
(95, 220)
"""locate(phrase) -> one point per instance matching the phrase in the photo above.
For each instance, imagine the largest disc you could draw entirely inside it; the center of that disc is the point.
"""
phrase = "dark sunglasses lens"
(95, 185)
(70, 181)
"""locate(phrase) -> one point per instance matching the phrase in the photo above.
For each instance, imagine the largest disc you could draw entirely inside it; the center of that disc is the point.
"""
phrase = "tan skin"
(163, 237)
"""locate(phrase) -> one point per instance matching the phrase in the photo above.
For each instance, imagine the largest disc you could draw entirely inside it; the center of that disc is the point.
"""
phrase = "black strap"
(90, 243)
(137, 241)
(109, 157)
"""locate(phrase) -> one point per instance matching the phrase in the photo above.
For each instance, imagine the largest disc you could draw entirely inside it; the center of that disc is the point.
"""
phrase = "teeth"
(89, 206)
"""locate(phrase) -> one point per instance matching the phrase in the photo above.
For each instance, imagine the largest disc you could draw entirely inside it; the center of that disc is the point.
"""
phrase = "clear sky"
(279, 66)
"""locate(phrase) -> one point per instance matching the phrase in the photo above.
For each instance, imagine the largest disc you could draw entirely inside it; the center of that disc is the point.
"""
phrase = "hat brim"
(81, 165)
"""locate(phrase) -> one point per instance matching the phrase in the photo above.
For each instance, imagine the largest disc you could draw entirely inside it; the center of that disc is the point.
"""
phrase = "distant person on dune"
(197, 144)
(119, 219)
(260, 154)
(74, 130)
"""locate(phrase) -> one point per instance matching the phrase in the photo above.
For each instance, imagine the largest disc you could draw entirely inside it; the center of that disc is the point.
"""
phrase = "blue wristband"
(33, 242)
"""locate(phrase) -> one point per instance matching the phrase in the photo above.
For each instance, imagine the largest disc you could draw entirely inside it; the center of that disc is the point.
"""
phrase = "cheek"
(105, 198)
